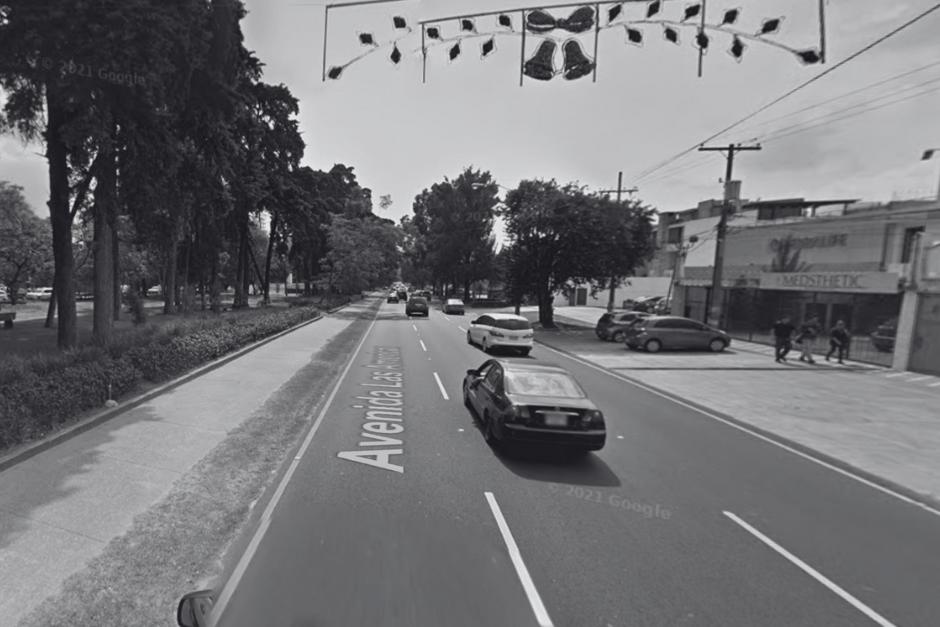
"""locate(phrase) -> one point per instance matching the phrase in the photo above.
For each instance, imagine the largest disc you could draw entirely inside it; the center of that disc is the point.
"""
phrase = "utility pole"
(620, 190)
(714, 302)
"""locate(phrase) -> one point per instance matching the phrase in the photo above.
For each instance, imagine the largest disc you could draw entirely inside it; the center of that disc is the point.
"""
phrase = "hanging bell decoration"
(577, 64)
(542, 65)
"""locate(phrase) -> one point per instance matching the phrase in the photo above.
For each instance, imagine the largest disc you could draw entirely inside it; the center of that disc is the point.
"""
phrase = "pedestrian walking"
(838, 341)
(783, 334)
(806, 338)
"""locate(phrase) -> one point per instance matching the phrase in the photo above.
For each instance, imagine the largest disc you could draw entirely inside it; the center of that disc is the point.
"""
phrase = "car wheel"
(484, 346)
(619, 336)
(653, 346)
(469, 339)
(488, 434)
(717, 345)
(466, 400)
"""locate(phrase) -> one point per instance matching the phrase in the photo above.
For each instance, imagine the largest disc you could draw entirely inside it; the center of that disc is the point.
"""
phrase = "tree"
(363, 253)
(558, 236)
(25, 240)
(628, 240)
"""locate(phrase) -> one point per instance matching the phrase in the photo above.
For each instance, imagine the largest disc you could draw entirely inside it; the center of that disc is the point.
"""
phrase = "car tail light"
(521, 413)
(592, 417)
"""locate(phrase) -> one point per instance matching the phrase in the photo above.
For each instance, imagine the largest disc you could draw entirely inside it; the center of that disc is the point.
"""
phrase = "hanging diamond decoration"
(454, 51)
(396, 55)
(488, 46)
(770, 26)
(671, 34)
(737, 48)
(731, 16)
(335, 72)
(433, 32)
(468, 26)
(614, 12)
(505, 21)
(366, 39)
(701, 41)
(653, 8)
(635, 36)
(809, 57)
(693, 10)
(400, 22)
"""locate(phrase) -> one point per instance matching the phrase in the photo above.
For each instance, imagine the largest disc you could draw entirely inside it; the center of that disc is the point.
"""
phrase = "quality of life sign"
(867, 282)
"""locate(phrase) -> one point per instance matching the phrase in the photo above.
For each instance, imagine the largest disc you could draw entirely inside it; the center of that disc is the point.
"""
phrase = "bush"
(40, 394)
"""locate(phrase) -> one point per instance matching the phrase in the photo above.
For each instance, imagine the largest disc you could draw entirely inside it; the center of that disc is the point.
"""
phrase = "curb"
(919, 498)
(67, 433)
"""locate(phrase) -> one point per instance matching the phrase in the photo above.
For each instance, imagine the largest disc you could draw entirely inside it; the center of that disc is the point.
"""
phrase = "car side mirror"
(193, 609)
(473, 373)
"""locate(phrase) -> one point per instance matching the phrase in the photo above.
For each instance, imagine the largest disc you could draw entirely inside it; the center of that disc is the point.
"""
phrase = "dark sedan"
(613, 325)
(534, 403)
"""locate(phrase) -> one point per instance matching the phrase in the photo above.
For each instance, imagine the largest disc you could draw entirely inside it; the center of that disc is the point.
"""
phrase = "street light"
(928, 155)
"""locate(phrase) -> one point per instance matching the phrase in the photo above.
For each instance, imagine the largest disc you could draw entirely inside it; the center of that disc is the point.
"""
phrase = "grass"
(179, 545)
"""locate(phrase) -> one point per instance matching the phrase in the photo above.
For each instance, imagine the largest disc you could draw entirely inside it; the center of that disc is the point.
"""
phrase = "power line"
(799, 87)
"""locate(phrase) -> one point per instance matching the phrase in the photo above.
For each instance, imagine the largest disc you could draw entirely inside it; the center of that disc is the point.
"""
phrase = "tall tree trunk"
(613, 292)
(186, 299)
(50, 310)
(61, 217)
(241, 270)
(215, 285)
(116, 292)
(266, 285)
(169, 281)
(103, 248)
(466, 291)
(546, 312)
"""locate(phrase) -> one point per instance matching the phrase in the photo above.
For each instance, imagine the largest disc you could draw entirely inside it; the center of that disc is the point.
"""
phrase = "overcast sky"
(647, 105)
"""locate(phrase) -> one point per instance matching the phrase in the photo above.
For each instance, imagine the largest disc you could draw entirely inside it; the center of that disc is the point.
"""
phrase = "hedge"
(41, 393)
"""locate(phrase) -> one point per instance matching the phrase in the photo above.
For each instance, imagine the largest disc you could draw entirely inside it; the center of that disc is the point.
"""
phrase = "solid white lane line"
(812, 572)
(541, 614)
(677, 401)
(423, 347)
(414, 327)
(440, 385)
(933, 385)
(461, 328)
(232, 584)
(918, 379)
(895, 374)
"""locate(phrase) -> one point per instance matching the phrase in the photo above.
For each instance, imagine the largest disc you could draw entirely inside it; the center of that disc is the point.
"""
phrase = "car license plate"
(554, 419)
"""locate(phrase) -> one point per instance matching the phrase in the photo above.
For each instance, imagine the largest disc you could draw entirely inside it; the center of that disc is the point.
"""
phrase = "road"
(680, 520)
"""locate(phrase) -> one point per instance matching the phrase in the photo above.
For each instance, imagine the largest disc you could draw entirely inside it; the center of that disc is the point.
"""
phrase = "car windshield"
(556, 384)
(511, 324)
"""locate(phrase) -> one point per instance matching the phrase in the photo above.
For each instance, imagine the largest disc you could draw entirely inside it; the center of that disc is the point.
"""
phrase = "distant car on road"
(417, 306)
(39, 293)
(673, 332)
(392, 298)
(882, 338)
(533, 402)
(453, 306)
(613, 325)
(501, 330)
(155, 291)
(402, 294)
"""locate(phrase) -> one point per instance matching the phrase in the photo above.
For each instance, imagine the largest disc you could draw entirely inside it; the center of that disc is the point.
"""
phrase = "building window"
(674, 235)
(907, 250)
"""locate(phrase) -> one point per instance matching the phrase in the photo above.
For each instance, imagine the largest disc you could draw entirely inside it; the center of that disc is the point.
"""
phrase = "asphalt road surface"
(411, 519)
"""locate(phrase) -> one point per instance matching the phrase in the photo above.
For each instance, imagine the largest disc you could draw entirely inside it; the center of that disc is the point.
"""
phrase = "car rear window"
(604, 319)
(420, 300)
(512, 325)
(556, 384)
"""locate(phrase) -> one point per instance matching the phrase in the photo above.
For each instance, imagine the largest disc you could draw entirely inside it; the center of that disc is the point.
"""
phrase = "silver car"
(673, 332)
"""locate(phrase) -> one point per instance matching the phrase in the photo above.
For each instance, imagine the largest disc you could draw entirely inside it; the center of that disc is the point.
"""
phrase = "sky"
(647, 104)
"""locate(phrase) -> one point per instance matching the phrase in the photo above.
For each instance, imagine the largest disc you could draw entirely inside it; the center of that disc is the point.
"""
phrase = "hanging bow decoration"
(579, 21)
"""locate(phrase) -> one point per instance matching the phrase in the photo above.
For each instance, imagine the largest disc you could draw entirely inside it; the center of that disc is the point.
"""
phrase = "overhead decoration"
(488, 47)
(706, 26)
(581, 20)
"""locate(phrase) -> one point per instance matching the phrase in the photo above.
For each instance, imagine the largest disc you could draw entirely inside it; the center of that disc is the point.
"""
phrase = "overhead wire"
(792, 91)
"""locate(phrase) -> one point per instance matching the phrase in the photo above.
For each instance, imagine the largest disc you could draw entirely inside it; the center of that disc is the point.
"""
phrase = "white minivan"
(501, 330)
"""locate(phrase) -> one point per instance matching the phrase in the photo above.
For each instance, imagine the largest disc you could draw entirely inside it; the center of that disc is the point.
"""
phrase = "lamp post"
(928, 155)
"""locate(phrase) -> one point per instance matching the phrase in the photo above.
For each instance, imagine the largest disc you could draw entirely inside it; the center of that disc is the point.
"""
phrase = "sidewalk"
(61, 508)
(882, 422)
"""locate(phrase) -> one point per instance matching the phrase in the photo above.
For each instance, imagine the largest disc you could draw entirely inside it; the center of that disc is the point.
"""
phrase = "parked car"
(417, 306)
(673, 332)
(884, 335)
(533, 402)
(39, 293)
(155, 291)
(84, 296)
(392, 298)
(613, 325)
(501, 330)
(453, 306)
(4, 294)
(647, 303)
